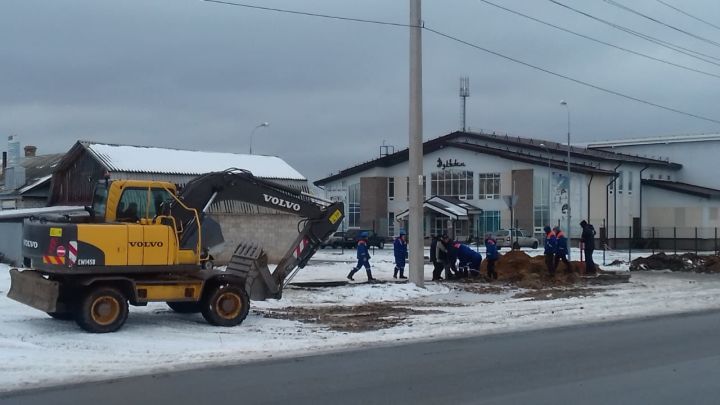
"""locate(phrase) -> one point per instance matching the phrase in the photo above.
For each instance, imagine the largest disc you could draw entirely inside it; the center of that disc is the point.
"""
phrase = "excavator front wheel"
(225, 305)
(104, 309)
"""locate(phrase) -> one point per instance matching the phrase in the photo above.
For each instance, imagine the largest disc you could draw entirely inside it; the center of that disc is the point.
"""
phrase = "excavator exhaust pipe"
(249, 262)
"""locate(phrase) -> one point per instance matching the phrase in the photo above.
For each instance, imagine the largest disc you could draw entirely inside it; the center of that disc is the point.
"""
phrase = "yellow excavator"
(145, 241)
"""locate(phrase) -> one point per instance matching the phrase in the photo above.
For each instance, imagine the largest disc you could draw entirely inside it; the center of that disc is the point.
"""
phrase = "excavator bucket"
(249, 262)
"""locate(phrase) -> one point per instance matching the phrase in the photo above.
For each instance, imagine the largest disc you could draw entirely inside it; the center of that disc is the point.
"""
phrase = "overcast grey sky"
(197, 75)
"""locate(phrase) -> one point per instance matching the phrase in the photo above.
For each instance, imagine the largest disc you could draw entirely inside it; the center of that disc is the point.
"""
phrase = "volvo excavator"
(145, 241)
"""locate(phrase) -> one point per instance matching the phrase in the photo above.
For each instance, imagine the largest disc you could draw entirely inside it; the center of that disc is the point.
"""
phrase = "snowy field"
(36, 350)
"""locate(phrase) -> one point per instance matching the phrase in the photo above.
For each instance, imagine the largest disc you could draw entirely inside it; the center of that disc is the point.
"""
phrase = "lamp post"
(548, 186)
(261, 125)
(567, 107)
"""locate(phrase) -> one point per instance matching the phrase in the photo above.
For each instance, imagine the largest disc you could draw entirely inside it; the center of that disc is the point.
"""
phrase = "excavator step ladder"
(249, 262)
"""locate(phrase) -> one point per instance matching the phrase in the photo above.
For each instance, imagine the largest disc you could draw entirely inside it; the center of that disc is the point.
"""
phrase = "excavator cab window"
(158, 197)
(133, 205)
(100, 200)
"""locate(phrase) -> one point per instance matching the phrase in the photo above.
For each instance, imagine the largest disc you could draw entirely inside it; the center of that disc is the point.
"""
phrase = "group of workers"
(556, 248)
(460, 260)
(455, 258)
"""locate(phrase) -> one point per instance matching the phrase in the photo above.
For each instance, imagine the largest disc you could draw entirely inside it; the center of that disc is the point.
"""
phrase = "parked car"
(334, 241)
(353, 235)
(506, 238)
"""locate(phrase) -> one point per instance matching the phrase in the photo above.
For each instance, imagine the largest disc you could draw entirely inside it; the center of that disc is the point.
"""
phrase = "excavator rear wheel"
(103, 310)
(225, 305)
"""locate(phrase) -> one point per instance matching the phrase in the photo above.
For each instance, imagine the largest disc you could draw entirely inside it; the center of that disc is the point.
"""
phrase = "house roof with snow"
(526, 150)
(150, 159)
(38, 171)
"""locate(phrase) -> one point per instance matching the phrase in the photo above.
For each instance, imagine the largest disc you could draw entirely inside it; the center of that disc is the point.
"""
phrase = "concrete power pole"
(416, 229)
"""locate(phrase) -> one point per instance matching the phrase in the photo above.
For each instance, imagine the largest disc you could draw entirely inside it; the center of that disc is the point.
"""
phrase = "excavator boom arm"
(320, 218)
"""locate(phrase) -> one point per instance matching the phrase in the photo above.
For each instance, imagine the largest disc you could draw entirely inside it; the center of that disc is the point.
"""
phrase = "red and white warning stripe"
(300, 247)
(72, 252)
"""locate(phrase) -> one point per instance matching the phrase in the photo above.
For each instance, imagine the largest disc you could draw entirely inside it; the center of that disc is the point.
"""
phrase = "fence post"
(675, 240)
(604, 242)
(652, 241)
(696, 241)
(716, 249)
(629, 244)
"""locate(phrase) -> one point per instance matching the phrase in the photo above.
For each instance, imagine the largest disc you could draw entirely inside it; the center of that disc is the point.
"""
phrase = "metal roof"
(683, 188)
(654, 140)
(150, 159)
(529, 150)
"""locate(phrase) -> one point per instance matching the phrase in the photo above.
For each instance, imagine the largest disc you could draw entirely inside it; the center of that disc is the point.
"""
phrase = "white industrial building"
(623, 194)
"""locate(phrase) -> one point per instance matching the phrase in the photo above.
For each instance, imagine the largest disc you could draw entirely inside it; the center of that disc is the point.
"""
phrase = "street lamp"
(548, 185)
(567, 107)
(261, 125)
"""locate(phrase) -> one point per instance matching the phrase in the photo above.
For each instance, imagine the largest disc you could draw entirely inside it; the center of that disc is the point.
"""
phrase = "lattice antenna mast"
(464, 94)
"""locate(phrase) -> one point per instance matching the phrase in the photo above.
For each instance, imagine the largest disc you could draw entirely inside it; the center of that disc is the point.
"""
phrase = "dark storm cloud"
(191, 74)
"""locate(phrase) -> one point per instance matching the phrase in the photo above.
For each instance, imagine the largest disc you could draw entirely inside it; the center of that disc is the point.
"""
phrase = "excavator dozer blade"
(32, 289)
(249, 262)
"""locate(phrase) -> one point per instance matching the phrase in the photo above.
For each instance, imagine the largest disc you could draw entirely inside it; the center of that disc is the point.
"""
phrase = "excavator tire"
(104, 309)
(225, 305)
(185, 307)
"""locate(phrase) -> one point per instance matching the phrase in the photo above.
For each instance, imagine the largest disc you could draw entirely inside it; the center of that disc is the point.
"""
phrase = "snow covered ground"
(36, 350)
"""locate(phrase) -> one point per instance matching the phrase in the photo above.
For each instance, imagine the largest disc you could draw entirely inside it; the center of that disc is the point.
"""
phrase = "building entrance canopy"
(452, 208)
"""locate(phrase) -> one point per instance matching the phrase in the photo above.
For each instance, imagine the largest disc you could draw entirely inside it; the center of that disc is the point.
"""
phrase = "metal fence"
(665, 239)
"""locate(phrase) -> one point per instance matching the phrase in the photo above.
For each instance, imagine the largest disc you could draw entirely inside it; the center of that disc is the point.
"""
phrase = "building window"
(451, 183)
(391, 188)
(652, 176)
(407, 188)
(541, 203)
(668, 177)
(619, 182)
(488, 222)
(630, 183)
(391, 223)
(489, 186)
(354, 205)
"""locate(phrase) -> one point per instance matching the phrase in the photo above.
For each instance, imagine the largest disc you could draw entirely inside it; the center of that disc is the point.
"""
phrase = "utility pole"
(416, 232)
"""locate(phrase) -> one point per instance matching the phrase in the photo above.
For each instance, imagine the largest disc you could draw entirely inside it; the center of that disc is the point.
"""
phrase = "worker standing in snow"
(363, 256)
(400, 251)
(469, 259)
(491, 254)
(440, 256)
(550, 250)
(562, 250)
(588, 239)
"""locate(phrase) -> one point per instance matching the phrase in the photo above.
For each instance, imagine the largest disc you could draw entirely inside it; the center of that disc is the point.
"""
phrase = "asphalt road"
(667, 360)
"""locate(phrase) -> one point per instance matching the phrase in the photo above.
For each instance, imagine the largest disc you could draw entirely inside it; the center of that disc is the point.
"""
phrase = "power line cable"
(688, 14)
(332, 17)
(669, 45)
(601, 41)
(450, 37)
(584, 83)
(655, 20)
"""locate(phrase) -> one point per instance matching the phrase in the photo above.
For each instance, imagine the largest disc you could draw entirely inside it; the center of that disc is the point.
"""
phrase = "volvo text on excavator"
(144, 241)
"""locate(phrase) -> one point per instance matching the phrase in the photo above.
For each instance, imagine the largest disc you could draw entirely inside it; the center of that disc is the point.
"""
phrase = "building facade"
(490, 173)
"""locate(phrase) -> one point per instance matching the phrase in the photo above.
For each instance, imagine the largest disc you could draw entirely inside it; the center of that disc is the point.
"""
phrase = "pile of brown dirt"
(685, 262)
(517, 268)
